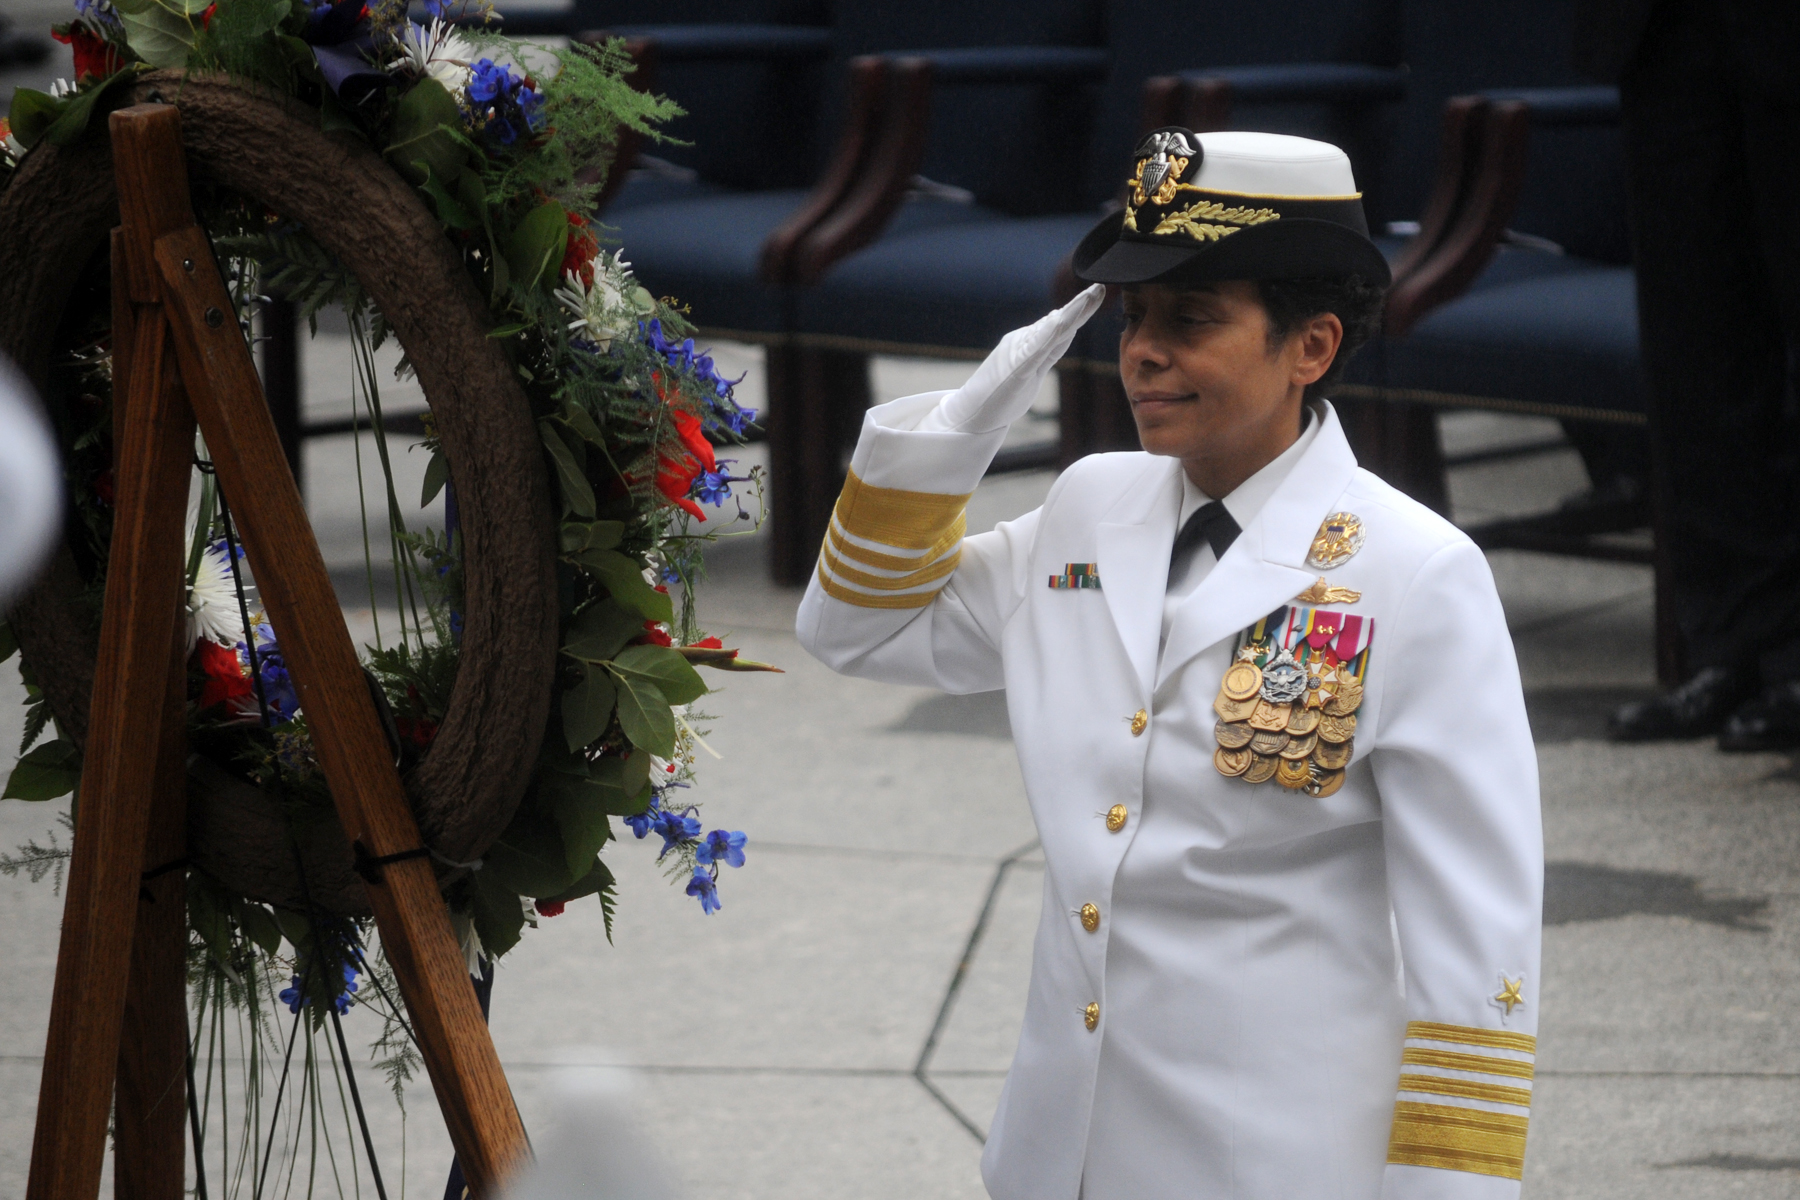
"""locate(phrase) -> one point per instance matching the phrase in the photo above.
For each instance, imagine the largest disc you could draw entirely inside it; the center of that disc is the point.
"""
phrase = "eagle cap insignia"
(1162, 157)
(1340, 536)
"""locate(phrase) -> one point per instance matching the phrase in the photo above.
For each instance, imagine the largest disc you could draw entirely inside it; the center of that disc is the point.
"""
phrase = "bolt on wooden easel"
(118, 1009)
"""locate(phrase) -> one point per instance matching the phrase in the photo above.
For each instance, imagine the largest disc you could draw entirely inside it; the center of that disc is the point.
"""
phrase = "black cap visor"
(1291, 248)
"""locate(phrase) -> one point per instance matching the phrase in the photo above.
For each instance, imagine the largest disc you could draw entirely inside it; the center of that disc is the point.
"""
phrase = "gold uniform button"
(1091, 1017)
(1090, 917)
(1140, 721)
(1116, 816)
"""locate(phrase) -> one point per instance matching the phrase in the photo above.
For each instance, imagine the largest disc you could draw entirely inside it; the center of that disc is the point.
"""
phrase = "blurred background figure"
(30, 483)
(1710, 92)
(596, 1150)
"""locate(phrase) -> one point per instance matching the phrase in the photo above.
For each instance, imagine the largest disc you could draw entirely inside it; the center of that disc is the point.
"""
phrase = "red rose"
(549, 908)
(654, 635)
(679, 467)
(94, 55)
(224, 674)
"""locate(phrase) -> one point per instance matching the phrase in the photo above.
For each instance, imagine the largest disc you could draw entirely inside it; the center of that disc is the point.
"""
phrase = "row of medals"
(1268, 732)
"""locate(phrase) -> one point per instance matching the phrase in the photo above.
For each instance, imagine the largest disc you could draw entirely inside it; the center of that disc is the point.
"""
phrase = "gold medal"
(1234, 710)
(1272, 717)
(1303, 721)
(1261, 770)
(1324, 783)
(1266, 742)
(1242, 681)
(1334, 756)
(1292, 775)
(1337, 729)
(1347, 700)
(1299, 747)
(1233, 735)
(1232, 762)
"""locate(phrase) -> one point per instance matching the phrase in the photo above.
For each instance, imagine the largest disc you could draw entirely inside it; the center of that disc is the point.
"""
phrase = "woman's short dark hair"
(1290, 303)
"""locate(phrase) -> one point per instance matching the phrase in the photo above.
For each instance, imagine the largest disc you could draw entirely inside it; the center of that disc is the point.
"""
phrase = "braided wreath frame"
(56, 215)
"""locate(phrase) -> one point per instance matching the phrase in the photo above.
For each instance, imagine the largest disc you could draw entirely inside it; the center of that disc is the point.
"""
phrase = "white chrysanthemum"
(439, 50)
(609, 306)
(213, 604)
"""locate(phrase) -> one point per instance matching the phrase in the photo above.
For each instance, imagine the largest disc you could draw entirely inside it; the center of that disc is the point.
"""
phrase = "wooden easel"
(119, 1002)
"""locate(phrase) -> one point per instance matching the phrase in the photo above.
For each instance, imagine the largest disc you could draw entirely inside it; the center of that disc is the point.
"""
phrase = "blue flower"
(512, 106)
(277, 685)
(676, 828)
(642, 823)
(719, 846)
(342, 1001)
(290, 995)
(714, 487)
(702, 885)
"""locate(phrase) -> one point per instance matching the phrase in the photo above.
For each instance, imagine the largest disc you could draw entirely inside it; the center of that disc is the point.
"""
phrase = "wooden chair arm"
(1491, 198)
(1458, 157)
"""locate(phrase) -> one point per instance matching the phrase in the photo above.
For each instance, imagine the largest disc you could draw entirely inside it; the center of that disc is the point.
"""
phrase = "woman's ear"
(1317, 343)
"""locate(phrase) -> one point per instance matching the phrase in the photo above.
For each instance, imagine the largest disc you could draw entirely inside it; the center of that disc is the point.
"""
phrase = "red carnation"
(654, 635)
(94, 55)
(582, 247)
(224, 674)
(677, 469)
(708, 643)
(549, 908)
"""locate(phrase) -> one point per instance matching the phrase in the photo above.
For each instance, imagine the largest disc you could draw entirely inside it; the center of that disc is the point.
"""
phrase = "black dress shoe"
(1769, 722)
(1696, 708)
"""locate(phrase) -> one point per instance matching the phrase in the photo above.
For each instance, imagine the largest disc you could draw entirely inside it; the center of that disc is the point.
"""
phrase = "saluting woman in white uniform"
(1266, 709)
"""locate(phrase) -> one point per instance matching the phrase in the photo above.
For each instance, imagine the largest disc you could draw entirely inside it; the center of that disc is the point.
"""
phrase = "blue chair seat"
(958, 279)
(1566, 337)
(706, 252)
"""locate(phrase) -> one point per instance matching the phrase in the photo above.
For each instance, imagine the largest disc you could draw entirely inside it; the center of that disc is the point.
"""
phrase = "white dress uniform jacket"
(1238, 991)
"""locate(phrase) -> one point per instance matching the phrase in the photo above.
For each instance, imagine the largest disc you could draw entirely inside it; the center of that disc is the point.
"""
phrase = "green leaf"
(437, 474)
(535, 249)
(67, 129)
(498, 914)
(597, 879)
(577, 493)
(31, 115)
(600, 631)
(587, 707)
(584, 828)
(206, 917)
(161, 38)
(577, 418)
(422, 145)
(451, 212)
(593, 535)
(296, 928)
(672, 674)
(529, 860)
(51, 770)
(644, 714)
(259, 925)
(624, 580)
(626, 782)
(9, 641)
(506, 331)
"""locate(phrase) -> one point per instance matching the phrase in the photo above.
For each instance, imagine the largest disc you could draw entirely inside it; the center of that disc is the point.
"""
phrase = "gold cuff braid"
(892, 517)
(932, 522)
(1458, 1139)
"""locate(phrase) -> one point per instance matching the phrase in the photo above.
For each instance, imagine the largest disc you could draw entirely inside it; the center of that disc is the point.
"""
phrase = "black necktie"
(1210, 522)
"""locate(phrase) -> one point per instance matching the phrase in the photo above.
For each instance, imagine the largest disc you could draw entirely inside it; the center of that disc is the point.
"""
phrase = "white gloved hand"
(1005, 384)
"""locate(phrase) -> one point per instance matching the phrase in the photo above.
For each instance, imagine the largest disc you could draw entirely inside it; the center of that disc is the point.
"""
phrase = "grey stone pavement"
(805, 1043)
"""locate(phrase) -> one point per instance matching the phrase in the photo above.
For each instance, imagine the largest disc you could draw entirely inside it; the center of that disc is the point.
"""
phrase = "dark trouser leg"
(1714, 241)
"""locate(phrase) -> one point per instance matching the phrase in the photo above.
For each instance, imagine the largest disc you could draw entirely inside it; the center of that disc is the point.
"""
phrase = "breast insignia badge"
(1339, 538)
(1324, 593)
(1077, 575)
(1287, 704)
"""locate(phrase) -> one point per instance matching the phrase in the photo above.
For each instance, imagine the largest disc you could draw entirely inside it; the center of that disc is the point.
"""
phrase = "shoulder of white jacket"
(1409, 530)
(1098, 480)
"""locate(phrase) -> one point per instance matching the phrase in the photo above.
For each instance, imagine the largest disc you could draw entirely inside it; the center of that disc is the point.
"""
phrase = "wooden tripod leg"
(153, 459)
(149, 1105)
(296, 591)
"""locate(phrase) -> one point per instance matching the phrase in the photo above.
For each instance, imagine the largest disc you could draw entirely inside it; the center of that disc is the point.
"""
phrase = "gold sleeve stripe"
(890, 583)
(1458, 1139)
(1470, 1035)
(1450, 1060)
(837, 591)
(892, 517)
(895, 562)
(1468, 1089)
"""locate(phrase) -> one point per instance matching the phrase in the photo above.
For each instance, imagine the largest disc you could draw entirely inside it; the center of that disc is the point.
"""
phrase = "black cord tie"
(369, 865)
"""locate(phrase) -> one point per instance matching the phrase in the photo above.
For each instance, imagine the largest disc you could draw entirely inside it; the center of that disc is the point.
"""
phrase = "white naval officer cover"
(1283, 995)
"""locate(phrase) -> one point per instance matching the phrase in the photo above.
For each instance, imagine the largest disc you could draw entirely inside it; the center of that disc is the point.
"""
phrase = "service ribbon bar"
(1077, 575)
